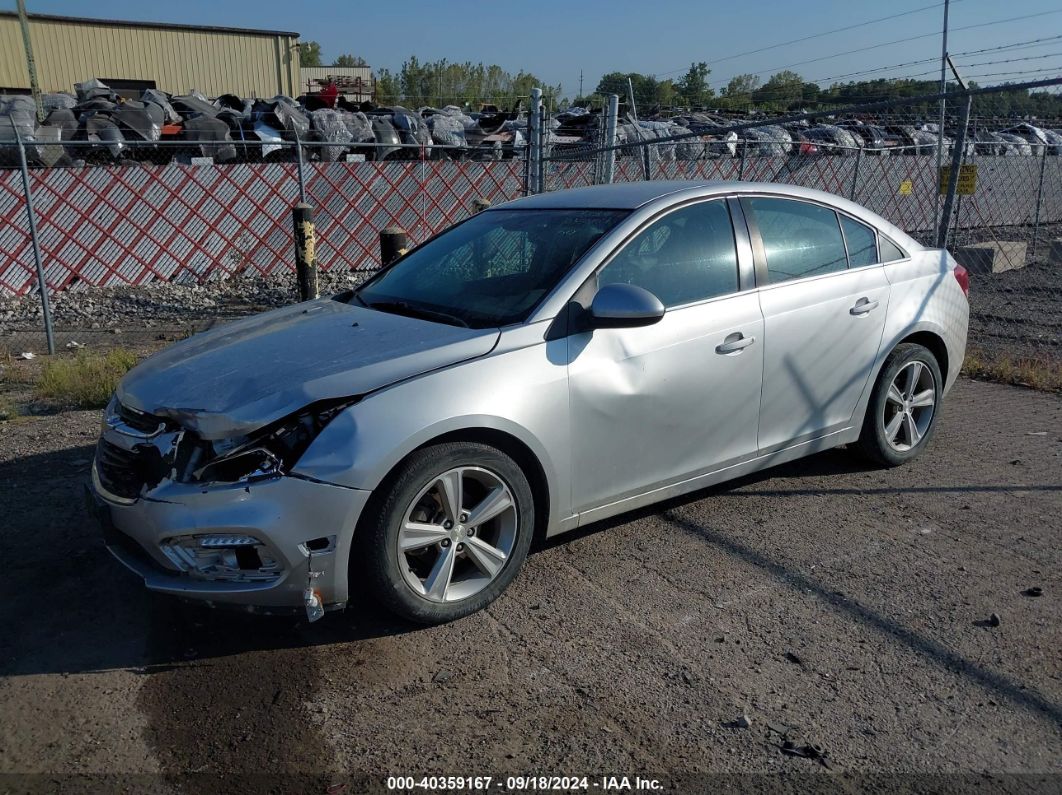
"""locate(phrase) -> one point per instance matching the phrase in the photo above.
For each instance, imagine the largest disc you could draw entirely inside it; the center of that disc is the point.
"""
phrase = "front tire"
(902, 414)
(447, 533)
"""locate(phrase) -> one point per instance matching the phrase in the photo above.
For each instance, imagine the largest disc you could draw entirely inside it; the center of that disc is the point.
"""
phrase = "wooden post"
(393, 244)
(305, 251)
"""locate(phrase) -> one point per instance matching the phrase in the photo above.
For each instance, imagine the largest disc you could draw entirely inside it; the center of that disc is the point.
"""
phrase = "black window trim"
(877, 248)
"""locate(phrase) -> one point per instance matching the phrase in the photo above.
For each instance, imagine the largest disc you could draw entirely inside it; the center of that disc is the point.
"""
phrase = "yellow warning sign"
(967, 184)
(906, 187)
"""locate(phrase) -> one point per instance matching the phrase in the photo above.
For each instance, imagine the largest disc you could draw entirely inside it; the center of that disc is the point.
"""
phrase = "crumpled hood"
(246, 374)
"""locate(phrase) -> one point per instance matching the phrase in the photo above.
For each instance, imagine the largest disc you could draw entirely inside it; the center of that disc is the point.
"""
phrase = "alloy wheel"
(909, 406)
(457, 534)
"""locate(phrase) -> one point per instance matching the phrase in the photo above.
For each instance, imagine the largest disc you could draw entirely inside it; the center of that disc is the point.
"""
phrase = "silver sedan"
(544, 364)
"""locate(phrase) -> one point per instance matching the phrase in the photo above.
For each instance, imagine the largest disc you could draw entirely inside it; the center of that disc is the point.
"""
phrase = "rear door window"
(799, 239)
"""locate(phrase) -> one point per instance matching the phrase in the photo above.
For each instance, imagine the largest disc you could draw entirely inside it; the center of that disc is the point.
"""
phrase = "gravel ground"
(828, 604)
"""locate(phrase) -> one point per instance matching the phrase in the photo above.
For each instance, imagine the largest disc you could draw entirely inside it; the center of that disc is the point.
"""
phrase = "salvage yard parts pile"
(99, 126)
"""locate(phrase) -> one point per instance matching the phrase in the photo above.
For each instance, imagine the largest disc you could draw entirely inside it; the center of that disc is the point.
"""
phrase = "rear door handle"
(863, 306)
(734, 343)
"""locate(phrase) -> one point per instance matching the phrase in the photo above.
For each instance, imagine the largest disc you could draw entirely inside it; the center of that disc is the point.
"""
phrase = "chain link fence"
(165, 238)
(1003, 223)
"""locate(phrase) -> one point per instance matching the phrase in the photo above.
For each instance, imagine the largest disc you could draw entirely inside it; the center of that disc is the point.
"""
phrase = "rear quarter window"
(890, 252)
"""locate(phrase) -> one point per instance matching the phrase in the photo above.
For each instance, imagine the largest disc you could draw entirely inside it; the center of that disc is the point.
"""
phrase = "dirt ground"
(832, 605)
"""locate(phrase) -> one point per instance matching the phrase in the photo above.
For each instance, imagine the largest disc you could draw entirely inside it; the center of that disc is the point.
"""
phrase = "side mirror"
(624, 306)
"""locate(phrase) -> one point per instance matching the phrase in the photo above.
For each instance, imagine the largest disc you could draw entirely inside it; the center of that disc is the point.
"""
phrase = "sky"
(557, 41)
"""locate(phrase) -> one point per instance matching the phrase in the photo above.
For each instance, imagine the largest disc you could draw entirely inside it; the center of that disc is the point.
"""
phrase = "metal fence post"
(42, 285)
(534, 141)
(611, 124)
(543, 149)
(957, 155)
(1039, 202)
(855, 174)
(647, 161)
(741, 165)
(300, 171)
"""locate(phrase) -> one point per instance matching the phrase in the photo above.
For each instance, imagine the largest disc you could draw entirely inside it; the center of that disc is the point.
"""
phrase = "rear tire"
(902, 414)
(447, 533)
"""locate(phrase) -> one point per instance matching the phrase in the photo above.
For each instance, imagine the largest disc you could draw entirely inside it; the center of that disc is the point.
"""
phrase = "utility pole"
(943, 87)
(580, 82)
(31, 66)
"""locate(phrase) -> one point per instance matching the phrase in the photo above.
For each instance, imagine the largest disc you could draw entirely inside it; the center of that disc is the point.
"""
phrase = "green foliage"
(648, 91)
(693, 89)
(85, 380)
(348, 60)
(309, 53)
(438, 83)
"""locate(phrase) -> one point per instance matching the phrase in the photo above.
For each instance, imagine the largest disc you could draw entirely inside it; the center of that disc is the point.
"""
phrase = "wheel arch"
(509, 444)
(932, 342)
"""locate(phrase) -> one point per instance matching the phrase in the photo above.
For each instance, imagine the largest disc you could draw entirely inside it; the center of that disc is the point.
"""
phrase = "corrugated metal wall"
(177, 59)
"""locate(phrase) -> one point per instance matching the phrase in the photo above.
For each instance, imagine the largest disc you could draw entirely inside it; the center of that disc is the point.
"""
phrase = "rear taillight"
(962, 276)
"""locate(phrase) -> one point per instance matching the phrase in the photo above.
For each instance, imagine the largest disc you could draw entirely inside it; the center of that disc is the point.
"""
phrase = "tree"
(309, 53)
(780, 91)
(648, 91)
(438, 83)
(388, 87)
(348, 60)
(693, 89)
(738, 92)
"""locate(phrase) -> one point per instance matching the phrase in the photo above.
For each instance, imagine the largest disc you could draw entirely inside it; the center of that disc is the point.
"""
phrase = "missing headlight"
(267, 453)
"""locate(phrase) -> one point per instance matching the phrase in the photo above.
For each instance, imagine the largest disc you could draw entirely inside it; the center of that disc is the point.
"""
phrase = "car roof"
(632, 195)
(635, 195)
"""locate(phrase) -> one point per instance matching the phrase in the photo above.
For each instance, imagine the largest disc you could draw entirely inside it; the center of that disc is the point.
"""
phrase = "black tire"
(873, 443)
(376, 552)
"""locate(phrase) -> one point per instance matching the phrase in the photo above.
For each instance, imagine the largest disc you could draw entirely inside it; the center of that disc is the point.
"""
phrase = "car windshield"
(492, 270)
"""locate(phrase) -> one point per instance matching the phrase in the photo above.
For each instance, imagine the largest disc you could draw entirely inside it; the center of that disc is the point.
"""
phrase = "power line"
(1016, 45)
(900, 41)
(813, 36)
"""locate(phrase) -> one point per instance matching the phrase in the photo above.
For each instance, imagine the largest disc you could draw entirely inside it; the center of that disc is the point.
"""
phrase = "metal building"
(131, 56)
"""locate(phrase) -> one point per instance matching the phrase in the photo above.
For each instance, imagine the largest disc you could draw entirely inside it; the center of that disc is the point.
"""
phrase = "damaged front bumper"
(261, 544)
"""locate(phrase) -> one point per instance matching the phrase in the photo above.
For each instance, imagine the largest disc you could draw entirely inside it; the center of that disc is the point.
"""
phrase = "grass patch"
(85, 380)
(8, 409)
(1043, 374)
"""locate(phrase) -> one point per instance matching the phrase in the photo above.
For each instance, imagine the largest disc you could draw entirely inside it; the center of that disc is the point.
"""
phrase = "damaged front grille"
(124, 473)
(140, 421)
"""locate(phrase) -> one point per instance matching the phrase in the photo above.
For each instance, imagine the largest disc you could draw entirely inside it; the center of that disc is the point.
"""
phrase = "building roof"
(126, 23)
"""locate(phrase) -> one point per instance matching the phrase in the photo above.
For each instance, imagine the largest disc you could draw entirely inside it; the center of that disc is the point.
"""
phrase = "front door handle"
(864, 306)
(734, 343)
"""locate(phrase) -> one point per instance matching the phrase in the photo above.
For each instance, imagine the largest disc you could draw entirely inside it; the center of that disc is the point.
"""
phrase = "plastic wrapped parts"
(447, 130)
(156, 97)
(360, 127)
(331, 129)
(94, 89)
(203, 129)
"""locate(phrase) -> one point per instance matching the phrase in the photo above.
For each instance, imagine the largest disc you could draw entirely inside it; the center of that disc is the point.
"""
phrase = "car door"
(664, 402)
(823, 320)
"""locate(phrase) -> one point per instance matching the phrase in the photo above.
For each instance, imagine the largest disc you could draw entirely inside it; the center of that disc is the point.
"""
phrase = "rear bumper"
(288, 517)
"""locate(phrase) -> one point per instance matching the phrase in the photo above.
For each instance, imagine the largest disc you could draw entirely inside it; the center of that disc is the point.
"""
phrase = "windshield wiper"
(411, 310)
